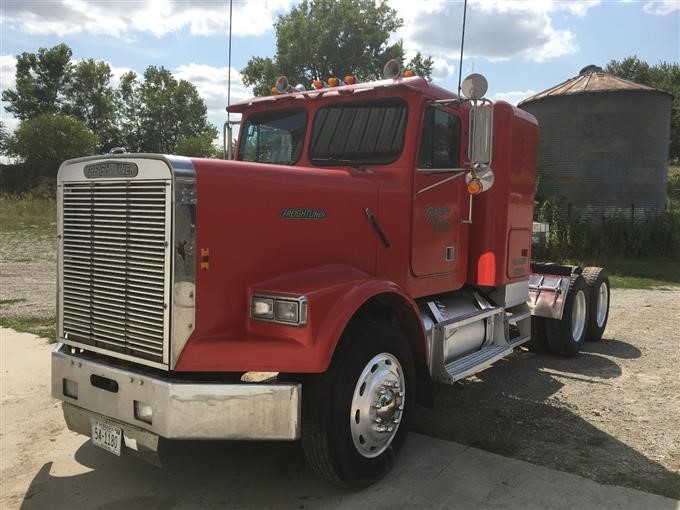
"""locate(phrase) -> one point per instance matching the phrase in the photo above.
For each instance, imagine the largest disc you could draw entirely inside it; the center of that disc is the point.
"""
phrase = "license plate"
(107, 436)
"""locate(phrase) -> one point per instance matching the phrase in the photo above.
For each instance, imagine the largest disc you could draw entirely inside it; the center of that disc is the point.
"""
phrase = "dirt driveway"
(43, 466)
(612, 414)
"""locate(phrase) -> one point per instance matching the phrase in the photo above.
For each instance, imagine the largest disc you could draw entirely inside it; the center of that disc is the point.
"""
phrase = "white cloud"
(442, 69)
(7, 71)
(513, 96)
(496, 29)
(119, 18)
(662, 7)
(211, 83)
(7, 81)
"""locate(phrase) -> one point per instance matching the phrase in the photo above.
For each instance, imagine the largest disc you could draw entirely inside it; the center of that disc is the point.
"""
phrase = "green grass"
(40, 326)
(7, 302)
(640, 274)
(25, 213)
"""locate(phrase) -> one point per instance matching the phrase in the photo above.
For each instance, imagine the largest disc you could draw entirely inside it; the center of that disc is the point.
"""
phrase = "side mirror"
(480, 141)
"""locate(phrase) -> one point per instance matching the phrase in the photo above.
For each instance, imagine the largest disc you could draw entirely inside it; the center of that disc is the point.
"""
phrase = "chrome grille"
(115, 266)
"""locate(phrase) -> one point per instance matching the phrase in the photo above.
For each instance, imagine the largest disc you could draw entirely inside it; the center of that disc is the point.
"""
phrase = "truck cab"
(367, 241)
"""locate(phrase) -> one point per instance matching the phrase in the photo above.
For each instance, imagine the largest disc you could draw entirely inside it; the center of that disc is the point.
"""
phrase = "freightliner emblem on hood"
(111, 169)
(303, 213)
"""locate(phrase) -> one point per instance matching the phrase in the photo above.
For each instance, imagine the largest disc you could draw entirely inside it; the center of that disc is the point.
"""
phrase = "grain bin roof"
(591, 79)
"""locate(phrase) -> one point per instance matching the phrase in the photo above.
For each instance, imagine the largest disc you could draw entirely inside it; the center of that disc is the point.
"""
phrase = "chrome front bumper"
(181, 410)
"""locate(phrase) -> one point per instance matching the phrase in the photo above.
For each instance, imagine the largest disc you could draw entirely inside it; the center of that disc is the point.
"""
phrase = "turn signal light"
(479, 179)
(274, 91)
(474, 187)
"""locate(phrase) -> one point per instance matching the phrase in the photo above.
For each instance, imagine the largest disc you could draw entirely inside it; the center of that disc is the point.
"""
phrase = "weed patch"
(27, 213)
(43, 327)
(8, 302)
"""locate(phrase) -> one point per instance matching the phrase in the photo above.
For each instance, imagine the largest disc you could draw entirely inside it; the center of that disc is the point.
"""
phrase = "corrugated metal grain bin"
(603, 145)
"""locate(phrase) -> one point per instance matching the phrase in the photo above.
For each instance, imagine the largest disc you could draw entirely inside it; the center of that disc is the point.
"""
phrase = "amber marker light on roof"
(317, 84)
(408, 74)
(274, 91)
(349, 80)
(333, 82)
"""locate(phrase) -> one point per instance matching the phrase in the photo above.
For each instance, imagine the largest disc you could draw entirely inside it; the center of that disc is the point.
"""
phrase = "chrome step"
(516, 317)
(473, 363)
(516, 342)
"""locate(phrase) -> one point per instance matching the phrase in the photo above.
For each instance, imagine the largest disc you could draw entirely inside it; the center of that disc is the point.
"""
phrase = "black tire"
(539, 335)
(327, 399)
(561, 338)
(595, 278)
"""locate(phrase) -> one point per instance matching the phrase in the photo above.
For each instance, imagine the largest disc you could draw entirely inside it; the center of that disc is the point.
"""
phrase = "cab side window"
(440, 142)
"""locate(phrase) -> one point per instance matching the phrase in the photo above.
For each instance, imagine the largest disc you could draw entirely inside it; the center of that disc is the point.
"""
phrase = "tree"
(89, 98)
(40, 82)
(198, 147)
(261, 73)
(44, 142)
(323, 38)
(128, 108)
(421, 66)
(153, 115)
(4, 136)
(169, 111)
(664, 76)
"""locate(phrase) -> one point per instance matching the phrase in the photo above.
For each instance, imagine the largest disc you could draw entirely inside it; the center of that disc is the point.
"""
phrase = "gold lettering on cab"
(439, 218)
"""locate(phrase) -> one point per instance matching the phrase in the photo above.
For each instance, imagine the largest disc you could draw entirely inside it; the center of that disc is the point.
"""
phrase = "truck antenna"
(231, 4)
(462, 43)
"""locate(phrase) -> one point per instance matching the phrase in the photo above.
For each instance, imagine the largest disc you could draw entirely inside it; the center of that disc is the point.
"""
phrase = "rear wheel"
(566, 336)
(539, 335)
(597, 281)
(355, 416)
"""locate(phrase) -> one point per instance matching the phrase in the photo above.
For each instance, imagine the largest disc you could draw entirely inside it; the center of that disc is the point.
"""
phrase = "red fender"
(334, 294)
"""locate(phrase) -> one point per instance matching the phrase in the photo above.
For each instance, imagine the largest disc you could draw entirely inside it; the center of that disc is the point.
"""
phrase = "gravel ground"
(611, 414)
(27, 274)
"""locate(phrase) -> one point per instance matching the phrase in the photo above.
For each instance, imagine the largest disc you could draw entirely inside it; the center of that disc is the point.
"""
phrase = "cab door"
(439, 190)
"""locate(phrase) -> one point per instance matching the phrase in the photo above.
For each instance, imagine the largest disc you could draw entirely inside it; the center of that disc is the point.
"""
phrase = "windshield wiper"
(341, 161)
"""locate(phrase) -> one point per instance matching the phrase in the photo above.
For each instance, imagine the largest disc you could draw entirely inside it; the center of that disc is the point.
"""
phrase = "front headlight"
(280, 309)
(262, 308)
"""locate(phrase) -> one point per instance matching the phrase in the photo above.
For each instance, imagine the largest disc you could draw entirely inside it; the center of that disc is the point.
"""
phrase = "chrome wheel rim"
(602, 304)
(578, 316)
(377, 405)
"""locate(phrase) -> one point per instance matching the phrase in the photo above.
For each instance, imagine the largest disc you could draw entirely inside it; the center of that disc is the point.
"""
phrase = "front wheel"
(355, 416)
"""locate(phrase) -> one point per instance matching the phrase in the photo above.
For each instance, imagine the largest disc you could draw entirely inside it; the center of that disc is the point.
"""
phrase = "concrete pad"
(45, 466)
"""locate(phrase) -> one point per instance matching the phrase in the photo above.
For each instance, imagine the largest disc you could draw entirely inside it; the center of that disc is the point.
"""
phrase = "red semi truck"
(358, 249)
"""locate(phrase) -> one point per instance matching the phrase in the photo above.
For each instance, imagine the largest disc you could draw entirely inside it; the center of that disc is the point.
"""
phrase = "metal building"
(603, 145)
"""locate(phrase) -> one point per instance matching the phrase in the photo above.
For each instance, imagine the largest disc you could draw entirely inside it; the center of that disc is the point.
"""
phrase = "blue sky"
(521, 46)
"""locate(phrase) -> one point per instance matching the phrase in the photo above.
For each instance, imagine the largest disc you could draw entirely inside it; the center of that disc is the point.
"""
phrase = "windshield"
(273, 137)
(361, 132)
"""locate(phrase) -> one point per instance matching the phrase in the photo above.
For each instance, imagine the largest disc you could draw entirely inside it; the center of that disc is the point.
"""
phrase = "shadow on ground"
(510, 409)
(195, 475)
